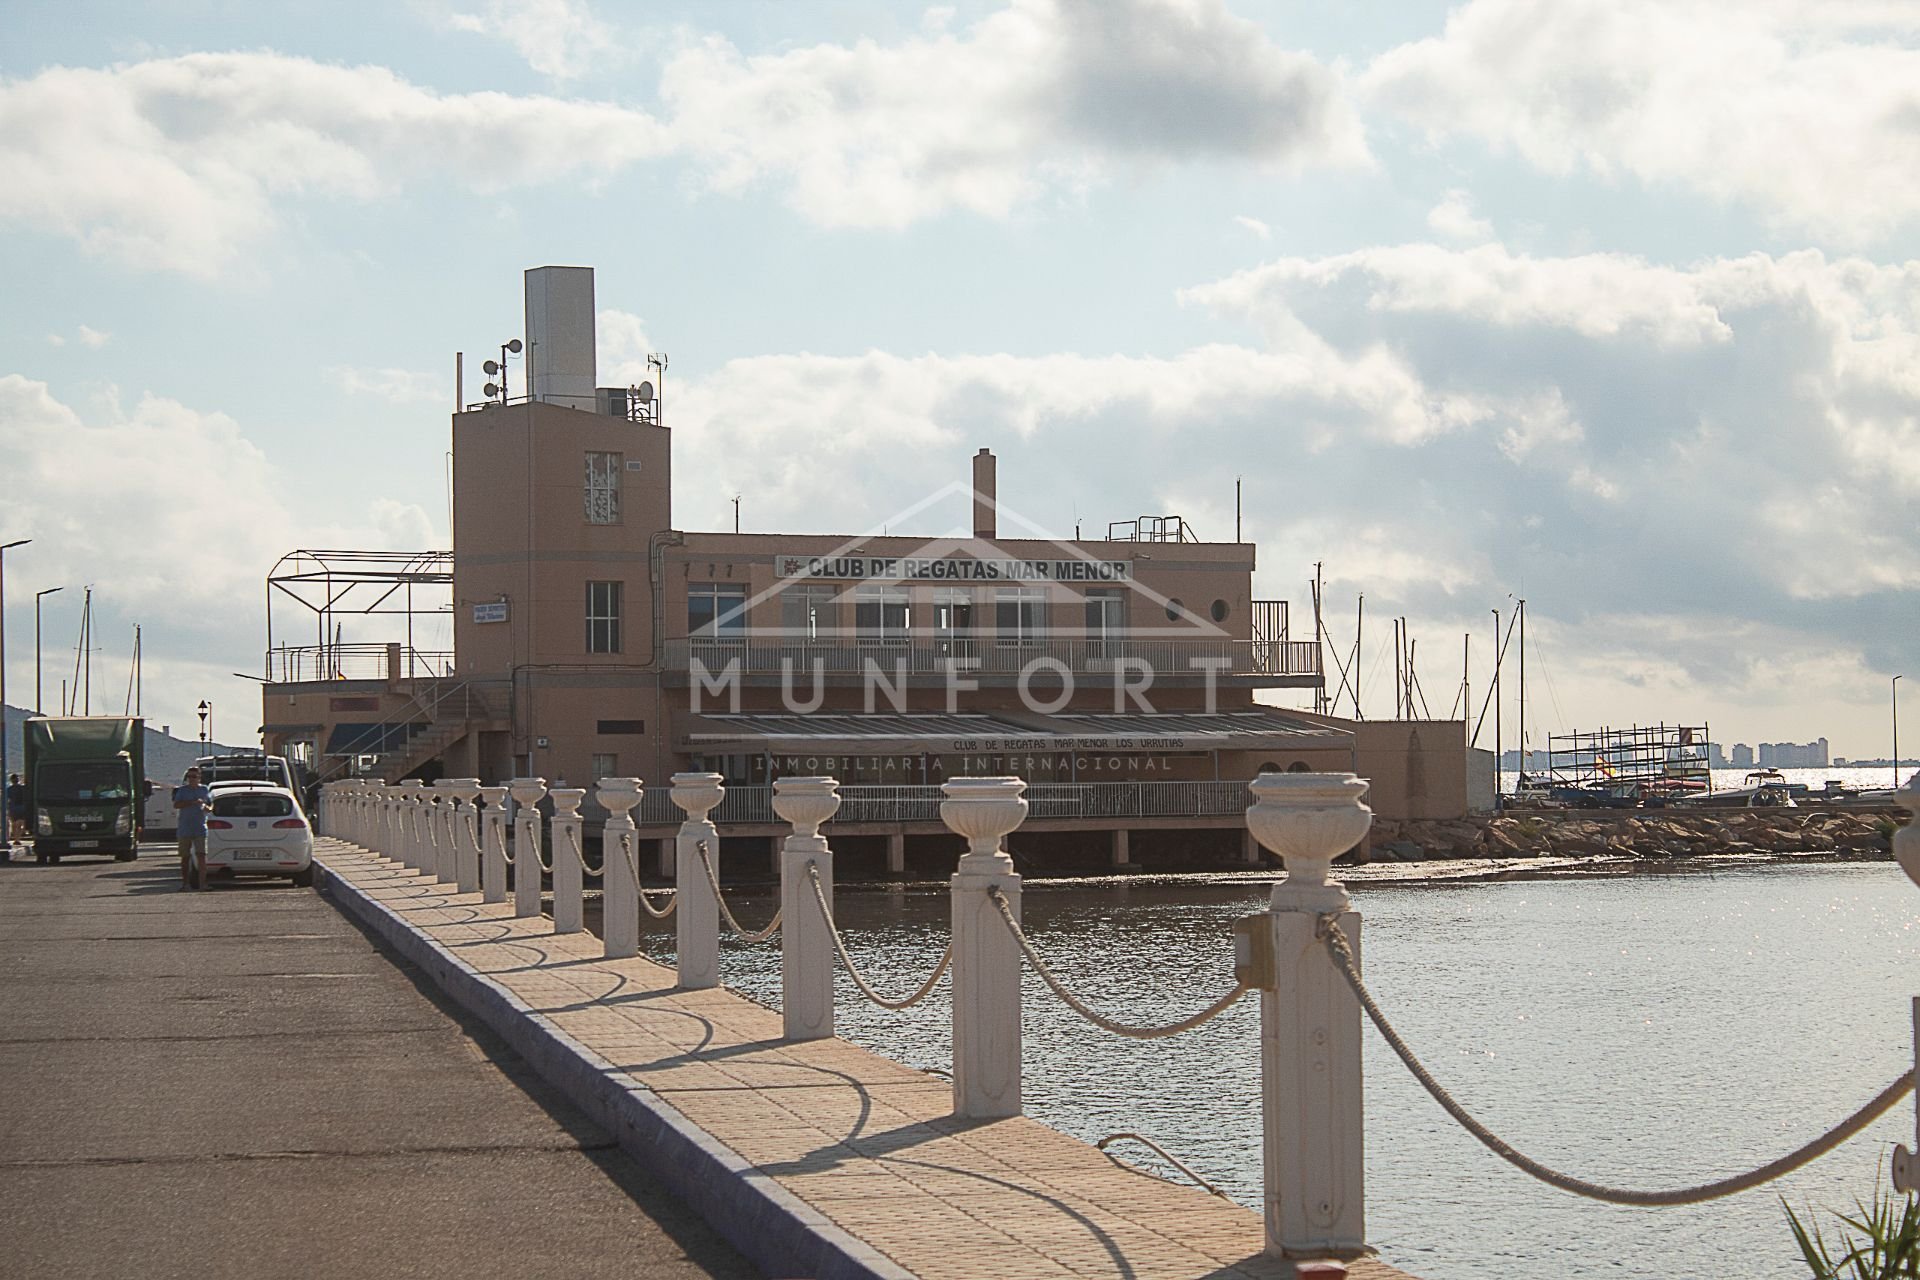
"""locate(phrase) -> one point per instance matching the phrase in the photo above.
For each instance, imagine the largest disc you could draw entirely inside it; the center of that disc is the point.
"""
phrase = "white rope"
(1342, 954)
(853, 971)
(586, 868)
(726, 913)
(533, 846)
(646, 903)
(1207, 1014)
(1162, 1152)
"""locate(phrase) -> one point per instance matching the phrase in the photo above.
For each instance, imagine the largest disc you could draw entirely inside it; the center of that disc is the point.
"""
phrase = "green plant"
(1890, 1249)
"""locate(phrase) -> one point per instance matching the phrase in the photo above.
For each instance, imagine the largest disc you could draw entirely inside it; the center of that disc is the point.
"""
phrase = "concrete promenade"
(242, 1083)
(816, 1158)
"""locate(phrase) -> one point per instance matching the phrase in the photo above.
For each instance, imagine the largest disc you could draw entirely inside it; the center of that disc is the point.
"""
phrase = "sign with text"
(492, 611)
(950, 569)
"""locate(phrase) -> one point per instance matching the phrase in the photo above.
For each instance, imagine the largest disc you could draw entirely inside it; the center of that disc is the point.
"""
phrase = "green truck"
(85, 779)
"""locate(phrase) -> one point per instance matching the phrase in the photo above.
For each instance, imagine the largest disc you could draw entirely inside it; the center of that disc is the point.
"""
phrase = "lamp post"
(6, 827)
(206, 716)
(38, 596)
(1896, 733)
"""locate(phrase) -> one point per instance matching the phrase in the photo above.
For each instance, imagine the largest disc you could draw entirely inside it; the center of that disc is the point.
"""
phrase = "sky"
(1608, 305)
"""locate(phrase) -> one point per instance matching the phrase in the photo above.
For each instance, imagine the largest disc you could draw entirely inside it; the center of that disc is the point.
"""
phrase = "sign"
(951, 569)
(492, 611)
(353, 704)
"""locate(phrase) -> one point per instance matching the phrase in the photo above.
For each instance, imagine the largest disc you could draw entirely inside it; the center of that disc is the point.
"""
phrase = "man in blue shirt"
(191, 801)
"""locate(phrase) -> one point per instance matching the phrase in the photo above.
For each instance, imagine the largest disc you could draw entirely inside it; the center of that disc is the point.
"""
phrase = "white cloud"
(395, 386)
(180, 163)
(95, 338)
(621, 339)
(55, 340)
(1041, 95)
(558, 38)
(1455, 219)
(1254, 225)
(1805, 112)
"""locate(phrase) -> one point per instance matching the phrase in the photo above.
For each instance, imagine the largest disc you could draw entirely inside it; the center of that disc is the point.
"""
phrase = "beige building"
(592, 638)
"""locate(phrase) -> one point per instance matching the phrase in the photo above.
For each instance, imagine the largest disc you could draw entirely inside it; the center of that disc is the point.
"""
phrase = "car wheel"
(303, 879)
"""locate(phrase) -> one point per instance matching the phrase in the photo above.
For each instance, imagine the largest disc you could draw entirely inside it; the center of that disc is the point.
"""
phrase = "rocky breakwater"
(1660, 833)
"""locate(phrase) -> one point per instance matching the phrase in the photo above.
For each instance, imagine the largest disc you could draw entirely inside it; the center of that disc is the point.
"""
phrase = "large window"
(952, 623)
(1020, 616)
(603, 617)
(716, 611)
(1106, 622)
(603, 488)
(808, 615)
(881, 615)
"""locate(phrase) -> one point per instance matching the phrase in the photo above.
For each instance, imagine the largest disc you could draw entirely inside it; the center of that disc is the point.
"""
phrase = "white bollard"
(464, 824)
(526, 845)
(440, 830)
(986, 958)
(569, 880)
(619, 880)
(1309, 1020)
(413, 841)
(493, 845)
(806, 944)
(696, 920)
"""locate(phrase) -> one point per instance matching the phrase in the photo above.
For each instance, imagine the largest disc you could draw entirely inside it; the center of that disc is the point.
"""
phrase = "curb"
(777, 1231)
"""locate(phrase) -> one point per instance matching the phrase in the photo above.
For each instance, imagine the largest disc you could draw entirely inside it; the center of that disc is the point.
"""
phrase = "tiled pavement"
(865, 1143)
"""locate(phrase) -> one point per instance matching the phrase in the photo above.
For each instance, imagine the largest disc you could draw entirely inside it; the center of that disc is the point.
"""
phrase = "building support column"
(897, 854)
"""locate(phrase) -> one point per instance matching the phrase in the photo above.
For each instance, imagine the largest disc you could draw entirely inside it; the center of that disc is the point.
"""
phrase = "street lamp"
(38, 596)
(206, 716)
(1896, 733)
(6, 827)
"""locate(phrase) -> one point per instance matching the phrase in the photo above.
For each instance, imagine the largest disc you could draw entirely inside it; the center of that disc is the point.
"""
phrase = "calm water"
(1644, 1031)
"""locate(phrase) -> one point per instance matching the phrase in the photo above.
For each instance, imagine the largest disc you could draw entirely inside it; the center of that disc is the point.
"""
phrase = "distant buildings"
(1742, 756)
(1783, 755)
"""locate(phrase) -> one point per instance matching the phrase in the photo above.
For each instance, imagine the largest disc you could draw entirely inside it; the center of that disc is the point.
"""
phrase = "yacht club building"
(593, 638)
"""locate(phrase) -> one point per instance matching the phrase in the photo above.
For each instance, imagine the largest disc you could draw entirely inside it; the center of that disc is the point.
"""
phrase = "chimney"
(985, 500)
(560, 339)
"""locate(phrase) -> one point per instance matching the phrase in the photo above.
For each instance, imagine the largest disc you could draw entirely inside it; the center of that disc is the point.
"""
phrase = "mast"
(1497, 656)
(1359, 627)
(1523, 686)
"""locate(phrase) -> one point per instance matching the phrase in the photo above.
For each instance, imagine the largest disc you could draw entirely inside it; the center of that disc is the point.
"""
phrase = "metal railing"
(985, 654)
(874, 805)
(294, 664)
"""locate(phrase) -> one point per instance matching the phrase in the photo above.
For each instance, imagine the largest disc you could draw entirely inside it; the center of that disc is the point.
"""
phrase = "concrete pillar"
(619, 878)
(696, 920)
(806, 944)
(1250, 849)
(433, 835)
(1906, 852)
(1309, 1021)
(493, 845)
(569, 881)
(526, 794)
(663, 859)
(410, 817)
(463, 828)
(986, 959)
(897, 854)
(1121, 860)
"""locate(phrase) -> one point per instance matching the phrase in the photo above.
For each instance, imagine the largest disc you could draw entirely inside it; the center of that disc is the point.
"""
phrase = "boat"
(1761, 789)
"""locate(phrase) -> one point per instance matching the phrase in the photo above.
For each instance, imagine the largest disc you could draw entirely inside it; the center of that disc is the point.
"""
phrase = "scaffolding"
(399, 587)
(1635, 764)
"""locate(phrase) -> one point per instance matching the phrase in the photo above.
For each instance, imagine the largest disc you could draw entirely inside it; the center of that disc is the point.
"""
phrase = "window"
(881, 615)
(603, 617)
(621, 726)
(808, 615)
(605, 765)
(717, 611)
(1106, 620)
(603, 488)
(953, 623)
(252, 804)
(1220, 609)
(1020, 616)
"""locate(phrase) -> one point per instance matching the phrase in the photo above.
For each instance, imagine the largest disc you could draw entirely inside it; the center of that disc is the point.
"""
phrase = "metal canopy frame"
(330, 584)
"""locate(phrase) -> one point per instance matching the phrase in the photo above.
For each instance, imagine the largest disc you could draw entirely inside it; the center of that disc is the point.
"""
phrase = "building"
(592, 638)
(1794, 755)
(1742, 756)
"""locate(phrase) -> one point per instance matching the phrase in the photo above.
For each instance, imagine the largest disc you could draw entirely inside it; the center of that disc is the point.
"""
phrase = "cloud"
(621, 339)
(1454, 218)
(181, 163)
(1254, 225)
(1043, 95)
(1803, 112)
(558, 38)
(55, 340)
(395, 386)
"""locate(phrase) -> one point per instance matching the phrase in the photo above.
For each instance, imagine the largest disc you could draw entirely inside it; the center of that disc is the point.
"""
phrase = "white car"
(259, 830)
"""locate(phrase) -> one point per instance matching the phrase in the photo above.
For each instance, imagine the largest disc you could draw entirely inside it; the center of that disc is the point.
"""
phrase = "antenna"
(499, 367)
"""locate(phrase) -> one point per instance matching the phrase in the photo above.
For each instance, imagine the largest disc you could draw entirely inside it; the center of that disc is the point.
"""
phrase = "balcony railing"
(938, 656)
(293, 664)
(871, 805)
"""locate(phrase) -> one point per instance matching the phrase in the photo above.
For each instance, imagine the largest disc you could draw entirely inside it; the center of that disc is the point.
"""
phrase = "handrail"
(937, 655)
(871, 804)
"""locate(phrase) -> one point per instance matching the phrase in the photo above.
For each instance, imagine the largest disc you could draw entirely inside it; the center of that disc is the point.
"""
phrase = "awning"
(1255, 730)
(352, 739)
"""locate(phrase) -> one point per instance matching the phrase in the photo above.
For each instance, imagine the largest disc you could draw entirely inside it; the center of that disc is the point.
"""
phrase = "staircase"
(442, 713)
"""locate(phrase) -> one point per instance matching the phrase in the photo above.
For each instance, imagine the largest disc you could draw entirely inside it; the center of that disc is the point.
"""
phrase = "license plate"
(252, 855)
(86, 844)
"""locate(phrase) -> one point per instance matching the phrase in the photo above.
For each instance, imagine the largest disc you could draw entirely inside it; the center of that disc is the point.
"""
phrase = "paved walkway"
(240, 1083)
(867, 1144)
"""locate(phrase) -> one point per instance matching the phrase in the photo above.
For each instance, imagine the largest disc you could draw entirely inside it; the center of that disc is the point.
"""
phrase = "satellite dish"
(514, 346)
(490, 390)
(491, 367)
(645, 390)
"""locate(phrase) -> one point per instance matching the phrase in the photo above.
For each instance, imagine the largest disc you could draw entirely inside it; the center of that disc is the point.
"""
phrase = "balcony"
(1258, 663)
(1103, 802)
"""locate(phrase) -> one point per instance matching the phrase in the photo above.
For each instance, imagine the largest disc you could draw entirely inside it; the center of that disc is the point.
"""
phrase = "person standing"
(191, 801)
(16, 808)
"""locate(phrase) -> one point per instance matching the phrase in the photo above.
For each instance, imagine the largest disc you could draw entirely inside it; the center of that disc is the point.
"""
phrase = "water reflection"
(1642, 1031)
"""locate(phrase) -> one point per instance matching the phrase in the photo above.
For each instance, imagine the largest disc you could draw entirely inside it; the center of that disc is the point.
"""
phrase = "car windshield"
(257, 769)
(252, 804)
(85, 780)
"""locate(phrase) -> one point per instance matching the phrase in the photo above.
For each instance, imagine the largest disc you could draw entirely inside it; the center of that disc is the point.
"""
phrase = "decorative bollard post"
(1309, 1019)
(464, 823)
(433, 834)
(413, 843)
(986, 958)
(1906, 852)
(806, 944)
(526, 844)
(569, 882)
(696, 920)
(443, 866)
(493, 845)
(619, 869)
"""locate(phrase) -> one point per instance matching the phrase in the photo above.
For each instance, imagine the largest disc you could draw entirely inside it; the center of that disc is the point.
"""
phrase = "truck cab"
(85, 785)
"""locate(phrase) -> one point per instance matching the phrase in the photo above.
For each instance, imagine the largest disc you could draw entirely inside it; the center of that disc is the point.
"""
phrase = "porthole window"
(1219, 610)
(1299, 766)
(1175, 610)
(1269, 767)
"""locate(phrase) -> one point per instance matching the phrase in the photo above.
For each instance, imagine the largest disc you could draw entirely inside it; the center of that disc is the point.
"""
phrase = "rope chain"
(726, 912)
(1342, 953)
(840, 944)
(533, 845)
(1207, 1014)
(586, 868)
(646, 903)
(1163, 1153)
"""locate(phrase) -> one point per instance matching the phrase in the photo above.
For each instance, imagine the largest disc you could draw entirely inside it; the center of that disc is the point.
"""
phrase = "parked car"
(259, 830)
